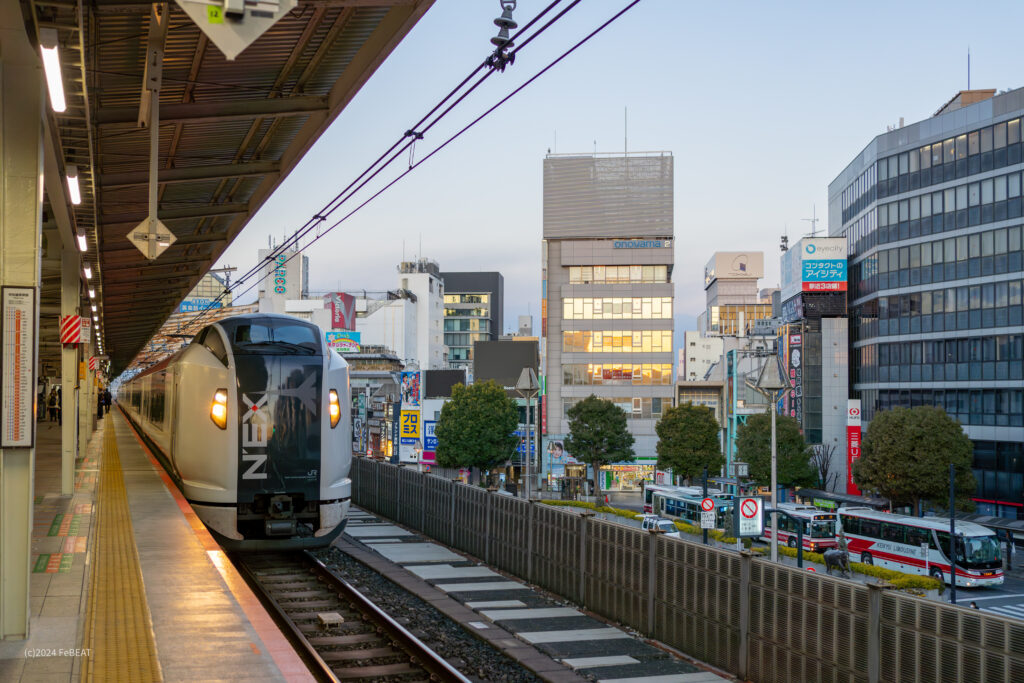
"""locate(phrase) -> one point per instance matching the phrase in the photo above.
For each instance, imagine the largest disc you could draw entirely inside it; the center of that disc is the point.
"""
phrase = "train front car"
(288, 445)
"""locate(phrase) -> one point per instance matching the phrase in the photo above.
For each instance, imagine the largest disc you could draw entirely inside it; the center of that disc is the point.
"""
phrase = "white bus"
(819, 527)
(691, 491)
(920, 545)
(687, 507)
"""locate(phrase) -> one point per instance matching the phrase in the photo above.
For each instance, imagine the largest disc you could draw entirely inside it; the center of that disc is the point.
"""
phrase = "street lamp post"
(771, 383)
(528, 387)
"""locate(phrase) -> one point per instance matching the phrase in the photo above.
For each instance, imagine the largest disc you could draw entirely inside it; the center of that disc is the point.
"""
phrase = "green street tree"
(792, 456)
(906, 454)
(476, 427)
(598, 434)
(688, 441)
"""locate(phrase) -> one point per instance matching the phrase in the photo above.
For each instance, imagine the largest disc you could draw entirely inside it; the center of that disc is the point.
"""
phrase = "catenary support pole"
(775, 494)
(705, 531)
(952, 534)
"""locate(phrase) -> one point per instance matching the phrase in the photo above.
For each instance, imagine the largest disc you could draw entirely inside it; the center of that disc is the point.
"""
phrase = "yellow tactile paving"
(118, 627)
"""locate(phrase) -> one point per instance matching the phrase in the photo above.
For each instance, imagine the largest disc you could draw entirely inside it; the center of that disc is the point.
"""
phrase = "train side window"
(212, 341)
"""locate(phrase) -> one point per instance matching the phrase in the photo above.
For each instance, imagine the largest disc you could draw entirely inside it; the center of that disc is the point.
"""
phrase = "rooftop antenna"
(595, 147)
(968, 67)
(813, 221)
(625, 131)
(784, 243)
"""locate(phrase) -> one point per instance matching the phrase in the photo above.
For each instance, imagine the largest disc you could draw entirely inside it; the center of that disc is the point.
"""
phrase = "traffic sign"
(707, 519)
(750, 520)
(707, 505)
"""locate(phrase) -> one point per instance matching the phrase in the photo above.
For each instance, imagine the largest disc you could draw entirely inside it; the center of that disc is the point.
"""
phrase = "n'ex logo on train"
(255, 434)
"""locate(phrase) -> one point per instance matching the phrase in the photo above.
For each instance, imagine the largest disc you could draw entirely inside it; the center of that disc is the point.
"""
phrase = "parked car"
(666, 526)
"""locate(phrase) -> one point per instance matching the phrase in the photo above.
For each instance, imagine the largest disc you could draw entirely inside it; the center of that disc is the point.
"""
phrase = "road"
(1006, 600)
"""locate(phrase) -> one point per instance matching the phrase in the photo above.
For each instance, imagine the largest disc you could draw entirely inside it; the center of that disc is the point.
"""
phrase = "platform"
(126, 582)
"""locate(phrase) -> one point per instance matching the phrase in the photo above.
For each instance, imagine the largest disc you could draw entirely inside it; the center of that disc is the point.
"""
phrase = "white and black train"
(251, 420)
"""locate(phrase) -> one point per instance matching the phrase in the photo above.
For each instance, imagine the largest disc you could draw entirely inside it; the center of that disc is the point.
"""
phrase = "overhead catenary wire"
(451, 139)
(395, 150)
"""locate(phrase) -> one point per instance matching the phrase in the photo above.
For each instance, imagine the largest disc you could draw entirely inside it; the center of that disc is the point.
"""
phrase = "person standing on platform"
(107, 399)
(60, 407)
(51, 404)
(99, 405)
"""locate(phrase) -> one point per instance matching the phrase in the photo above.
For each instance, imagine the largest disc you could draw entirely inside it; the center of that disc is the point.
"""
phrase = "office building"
(473, 310)
(733, 301)
(607, 297)
(698, 355)
(407, 320)
(813, 342)
(932, 216)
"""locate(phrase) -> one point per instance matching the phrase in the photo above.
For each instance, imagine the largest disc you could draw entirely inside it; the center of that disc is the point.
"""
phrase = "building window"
(615, 341)
(616, 374)
(615, 308)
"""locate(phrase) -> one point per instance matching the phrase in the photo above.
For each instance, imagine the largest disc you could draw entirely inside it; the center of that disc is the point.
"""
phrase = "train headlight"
(219, 408)
(335, 408)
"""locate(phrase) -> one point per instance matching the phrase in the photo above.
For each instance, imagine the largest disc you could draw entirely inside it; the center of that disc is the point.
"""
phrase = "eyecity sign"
(642, 244)
(823, 264)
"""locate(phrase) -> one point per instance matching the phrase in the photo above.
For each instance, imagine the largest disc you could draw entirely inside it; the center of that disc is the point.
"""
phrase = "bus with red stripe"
(819, 527)
(920, 545)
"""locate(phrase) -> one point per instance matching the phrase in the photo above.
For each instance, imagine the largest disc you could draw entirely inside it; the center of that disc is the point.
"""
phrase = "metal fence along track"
(760, 621)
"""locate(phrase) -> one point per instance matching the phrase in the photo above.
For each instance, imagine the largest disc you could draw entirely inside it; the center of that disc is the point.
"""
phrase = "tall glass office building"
(932, 214)
(607, 295)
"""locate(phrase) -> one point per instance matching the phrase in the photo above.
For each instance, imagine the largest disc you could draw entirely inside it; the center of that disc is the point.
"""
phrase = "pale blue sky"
(762, 105)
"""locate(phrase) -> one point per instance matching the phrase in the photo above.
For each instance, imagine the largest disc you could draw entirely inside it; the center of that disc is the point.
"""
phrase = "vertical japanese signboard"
(852, 443)
(17, 329)
(795, 371)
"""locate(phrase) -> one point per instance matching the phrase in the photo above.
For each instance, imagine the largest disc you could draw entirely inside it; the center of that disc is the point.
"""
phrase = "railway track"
(338, 632)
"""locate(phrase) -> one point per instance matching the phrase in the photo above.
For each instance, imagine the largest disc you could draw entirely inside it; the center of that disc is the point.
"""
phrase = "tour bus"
(920, 545)
(819, 527)
(651, 489)
(686, 506)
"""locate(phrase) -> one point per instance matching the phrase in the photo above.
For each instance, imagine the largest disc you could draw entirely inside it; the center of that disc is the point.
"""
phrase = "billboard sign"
(429, 438)
(731, 265)
(411, 389)
(196, 304)
(504, 362)
(823, 264)
(343, 310)
(410, 427)
(342, 341)
(852, 443)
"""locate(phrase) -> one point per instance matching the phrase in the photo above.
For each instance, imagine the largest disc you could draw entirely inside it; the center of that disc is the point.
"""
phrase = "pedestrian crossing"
(1015, 611)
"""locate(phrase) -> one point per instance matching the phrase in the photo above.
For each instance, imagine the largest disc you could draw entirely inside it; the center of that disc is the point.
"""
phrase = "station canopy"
(229, 133)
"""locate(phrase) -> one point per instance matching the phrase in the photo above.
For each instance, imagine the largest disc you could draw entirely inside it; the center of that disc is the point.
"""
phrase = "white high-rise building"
(697, 356)
(409, 320)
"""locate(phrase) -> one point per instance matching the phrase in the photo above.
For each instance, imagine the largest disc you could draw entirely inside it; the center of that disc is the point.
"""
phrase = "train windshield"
(270, 335)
